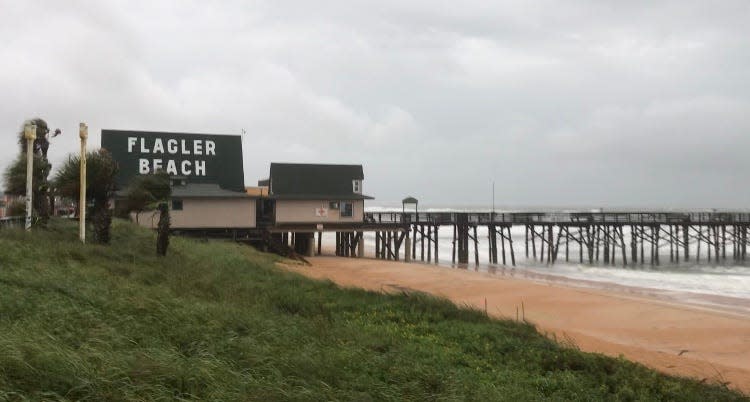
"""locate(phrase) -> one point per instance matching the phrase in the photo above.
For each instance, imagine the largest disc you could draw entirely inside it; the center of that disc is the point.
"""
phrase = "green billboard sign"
(201, 158)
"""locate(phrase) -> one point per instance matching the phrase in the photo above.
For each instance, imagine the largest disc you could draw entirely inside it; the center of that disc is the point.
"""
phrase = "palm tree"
(149, 192)
(101, 170)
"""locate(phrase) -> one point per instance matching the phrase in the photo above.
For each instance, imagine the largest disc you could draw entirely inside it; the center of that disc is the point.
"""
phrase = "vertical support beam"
(589, 244)
(455, 230)
(533, 241)
(671, 244)
(656, 243)
(686, 241)
(510, 245)
(360, 244)
(598, 230)
(642, 233)
(437, 227)
(606, 244)
(676, 244)
(320, 242)
(580, 244)
(567, 244)
(476, 246)
(492, 238)
(527, 241)
(421, 242)
(429, 243)
(414, 242)
(550, 242)
(542, 239)
(724, 242)
(716, 243)
(700, 236)
(377, 245)
(502, 243)
(633, 245)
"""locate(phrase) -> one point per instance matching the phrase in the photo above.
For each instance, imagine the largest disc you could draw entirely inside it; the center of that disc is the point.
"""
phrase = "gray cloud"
(582, 104)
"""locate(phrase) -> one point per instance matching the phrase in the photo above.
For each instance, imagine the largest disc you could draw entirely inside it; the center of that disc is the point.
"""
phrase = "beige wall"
(303, 211)
(207, 213)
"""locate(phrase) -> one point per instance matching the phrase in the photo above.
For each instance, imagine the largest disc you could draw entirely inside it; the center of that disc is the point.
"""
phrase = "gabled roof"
(314, 181)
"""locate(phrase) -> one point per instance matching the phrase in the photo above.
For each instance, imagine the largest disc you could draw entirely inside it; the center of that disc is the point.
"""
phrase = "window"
(176, 205)
(357, 186)
(333, 205)
(347, 209)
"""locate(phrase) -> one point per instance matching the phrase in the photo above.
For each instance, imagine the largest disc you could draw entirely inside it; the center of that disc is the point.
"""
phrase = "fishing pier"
(599, 237)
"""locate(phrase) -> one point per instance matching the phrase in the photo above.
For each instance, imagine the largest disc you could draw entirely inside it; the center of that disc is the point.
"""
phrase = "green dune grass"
(217, 321)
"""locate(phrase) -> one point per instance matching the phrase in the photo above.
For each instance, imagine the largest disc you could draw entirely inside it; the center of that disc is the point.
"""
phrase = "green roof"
(314, 181)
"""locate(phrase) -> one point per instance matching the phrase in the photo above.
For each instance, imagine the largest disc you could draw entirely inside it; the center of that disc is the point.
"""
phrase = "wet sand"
(648, 327)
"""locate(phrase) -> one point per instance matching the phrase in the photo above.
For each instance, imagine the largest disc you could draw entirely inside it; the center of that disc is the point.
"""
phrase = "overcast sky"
(561, 103)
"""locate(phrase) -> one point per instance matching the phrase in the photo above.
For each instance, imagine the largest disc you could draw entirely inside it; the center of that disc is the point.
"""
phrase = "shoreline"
(659, 329)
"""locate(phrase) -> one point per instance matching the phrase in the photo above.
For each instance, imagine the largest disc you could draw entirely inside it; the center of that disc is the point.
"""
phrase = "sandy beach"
(705, 343)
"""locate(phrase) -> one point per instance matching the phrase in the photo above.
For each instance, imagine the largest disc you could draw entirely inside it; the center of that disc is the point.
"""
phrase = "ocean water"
(725, 278)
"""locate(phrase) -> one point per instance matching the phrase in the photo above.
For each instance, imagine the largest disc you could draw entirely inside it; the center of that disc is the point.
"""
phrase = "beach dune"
(703, 343)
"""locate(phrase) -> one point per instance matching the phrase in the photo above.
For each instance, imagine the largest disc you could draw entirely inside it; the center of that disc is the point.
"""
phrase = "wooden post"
(567, 244)
(414, 243)
(429, 243)
(476, 247)
(589, 245)
(492, 242)
(686, 241)
(671, 250)
(510, 244)
(580, 244)
(377, 245)
(320, 242)
(421, 243)
(527, 241)
(502, 243)
(436, 242)
(698, 252)
(455, 229)
(676, 244)
(533, 241)
(633, 245)
(606, 244)
(622, 244)
(542, 239)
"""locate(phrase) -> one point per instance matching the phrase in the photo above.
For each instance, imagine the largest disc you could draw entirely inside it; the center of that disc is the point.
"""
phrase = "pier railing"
(560, 218)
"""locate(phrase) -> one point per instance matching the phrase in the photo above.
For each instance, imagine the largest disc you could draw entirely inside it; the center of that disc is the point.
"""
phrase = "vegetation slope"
(217, 321)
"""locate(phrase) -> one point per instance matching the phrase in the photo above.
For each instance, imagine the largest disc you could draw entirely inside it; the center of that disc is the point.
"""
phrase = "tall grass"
(217, 321)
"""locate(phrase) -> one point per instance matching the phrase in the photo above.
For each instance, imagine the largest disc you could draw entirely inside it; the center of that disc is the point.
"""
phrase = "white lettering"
(197, 147)
(186, 168)
(185, 151)
(131, 143)
(171, 167)
(210, 148)
(143, 166)
(144, 150)
(200, 168)
(172, 146)
(158, 146)
(157, 165)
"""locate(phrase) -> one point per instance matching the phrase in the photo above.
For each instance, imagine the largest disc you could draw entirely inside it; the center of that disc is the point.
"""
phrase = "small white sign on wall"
(321, 212)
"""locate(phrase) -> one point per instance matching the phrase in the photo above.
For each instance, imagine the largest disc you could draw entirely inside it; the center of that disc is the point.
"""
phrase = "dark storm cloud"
(582, 104)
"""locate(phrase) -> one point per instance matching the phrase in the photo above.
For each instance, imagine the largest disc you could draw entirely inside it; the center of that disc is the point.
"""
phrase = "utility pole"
(29, 132)
(83, 132)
